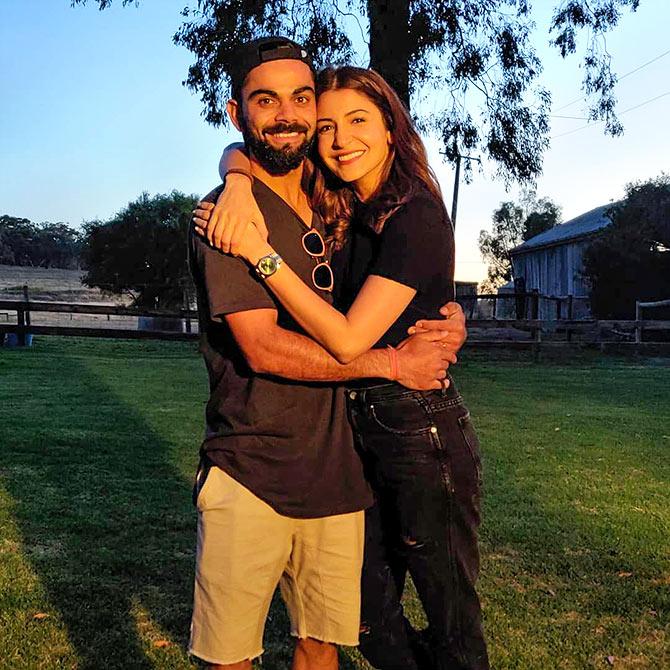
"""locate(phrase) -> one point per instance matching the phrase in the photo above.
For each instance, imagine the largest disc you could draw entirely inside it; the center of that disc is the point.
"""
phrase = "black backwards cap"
(263, 50)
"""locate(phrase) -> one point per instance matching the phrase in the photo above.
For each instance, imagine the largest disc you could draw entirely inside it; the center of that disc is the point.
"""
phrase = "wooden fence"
(639, 306)
(558, 332)
(524, 305)
(24, 309)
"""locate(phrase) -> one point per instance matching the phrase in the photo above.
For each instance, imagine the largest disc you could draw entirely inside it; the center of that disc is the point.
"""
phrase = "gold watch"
(268, 265)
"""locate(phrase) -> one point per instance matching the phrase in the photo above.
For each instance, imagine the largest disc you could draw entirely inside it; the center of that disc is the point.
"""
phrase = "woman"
(394, 264)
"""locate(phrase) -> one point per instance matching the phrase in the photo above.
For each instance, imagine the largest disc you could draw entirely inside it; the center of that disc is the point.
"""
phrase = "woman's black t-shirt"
(415, 248)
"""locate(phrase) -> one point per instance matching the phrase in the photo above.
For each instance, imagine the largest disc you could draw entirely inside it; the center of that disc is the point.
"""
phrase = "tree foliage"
(630, 259)
(141, 251)
(512, 225)
(47, 245)
(476, 55)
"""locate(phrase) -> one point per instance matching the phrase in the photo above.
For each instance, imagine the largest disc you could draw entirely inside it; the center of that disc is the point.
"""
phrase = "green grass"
(99, 443)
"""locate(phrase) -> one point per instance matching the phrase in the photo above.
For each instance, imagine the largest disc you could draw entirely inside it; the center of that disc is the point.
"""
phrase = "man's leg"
(243, 548)
(243, 665)
(321, 588)
(313, 654)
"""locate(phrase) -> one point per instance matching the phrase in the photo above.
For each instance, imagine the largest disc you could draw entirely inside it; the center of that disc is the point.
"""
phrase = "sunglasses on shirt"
(322, 274)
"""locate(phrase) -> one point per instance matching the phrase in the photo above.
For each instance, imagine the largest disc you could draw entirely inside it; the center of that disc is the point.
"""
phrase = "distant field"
(99, 444)
(48, 284)
(57, 285)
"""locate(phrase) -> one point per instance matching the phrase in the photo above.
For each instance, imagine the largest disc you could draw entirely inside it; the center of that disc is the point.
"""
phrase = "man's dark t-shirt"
(288, 442)
(415, 248)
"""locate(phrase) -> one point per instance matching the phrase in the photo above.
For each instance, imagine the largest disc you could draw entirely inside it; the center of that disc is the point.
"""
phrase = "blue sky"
(93, 113)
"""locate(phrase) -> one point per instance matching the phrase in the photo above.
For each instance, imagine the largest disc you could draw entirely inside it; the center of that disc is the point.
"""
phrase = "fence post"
(558, 309)
(26, 297)
(536, 303)
(186, 303)
(568, 331)
(21, 322)
(23, 318)
(638, 327)
(520, 297)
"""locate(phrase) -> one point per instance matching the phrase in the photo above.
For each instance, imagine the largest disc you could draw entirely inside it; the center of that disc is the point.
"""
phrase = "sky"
(94, 113)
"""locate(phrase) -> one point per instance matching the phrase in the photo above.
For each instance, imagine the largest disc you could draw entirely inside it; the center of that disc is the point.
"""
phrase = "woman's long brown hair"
(406, 172)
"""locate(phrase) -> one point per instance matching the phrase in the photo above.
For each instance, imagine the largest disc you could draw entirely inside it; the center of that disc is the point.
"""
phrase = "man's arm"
(270, 349)
(232, 294)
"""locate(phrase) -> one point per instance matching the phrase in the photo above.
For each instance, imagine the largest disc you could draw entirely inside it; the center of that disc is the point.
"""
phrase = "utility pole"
(457, 180)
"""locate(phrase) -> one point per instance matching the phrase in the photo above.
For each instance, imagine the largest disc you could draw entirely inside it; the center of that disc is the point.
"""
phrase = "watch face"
(267, 265)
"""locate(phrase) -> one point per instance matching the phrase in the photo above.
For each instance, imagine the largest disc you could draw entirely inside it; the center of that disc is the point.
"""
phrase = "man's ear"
(233, 109)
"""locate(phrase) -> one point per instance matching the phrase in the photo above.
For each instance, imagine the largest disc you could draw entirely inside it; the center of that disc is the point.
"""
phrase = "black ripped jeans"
(421, 456)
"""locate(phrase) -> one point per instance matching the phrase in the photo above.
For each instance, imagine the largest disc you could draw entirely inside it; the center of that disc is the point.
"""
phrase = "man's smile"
(286, 134)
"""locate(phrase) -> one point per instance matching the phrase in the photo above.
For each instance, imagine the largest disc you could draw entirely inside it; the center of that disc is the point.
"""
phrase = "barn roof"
(581, 226)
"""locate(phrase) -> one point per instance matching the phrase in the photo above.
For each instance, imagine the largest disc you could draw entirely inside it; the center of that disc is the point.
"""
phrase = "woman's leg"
(384, 637)
(441, 522)
(428, 462)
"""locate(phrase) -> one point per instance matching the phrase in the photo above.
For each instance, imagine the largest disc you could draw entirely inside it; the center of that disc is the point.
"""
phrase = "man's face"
(277, 114)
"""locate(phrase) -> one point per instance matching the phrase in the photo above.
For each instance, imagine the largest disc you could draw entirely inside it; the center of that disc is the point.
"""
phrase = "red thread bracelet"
(393, 361)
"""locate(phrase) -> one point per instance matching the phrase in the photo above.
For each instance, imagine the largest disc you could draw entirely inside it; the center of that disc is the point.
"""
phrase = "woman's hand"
(250, 246)
(227, 223)
(452, 326)
(201, 214)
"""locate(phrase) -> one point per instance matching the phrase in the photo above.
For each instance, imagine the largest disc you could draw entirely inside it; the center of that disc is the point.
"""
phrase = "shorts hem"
(324, 638)
(218, 661)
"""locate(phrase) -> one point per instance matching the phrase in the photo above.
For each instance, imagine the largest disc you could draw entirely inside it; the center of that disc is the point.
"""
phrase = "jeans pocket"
(472, 443)
(401, 416)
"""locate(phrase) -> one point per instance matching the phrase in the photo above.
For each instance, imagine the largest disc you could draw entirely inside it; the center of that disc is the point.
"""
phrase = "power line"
(576, 118)
(623, 76)
(630, 109)
(653, 60)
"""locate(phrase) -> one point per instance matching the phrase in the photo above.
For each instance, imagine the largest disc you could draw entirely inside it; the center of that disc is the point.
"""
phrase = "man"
(280, 491)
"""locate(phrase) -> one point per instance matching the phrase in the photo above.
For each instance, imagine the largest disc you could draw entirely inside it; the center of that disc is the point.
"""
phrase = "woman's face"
(353, 140)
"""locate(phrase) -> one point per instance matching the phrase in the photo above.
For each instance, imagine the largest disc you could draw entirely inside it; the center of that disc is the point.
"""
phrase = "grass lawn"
(99, 443)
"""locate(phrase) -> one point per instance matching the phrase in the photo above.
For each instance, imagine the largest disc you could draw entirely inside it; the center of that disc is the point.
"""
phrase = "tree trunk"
(389, 43)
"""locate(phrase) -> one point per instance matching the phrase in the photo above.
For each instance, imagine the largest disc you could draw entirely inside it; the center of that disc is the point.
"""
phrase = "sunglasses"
(322, 274)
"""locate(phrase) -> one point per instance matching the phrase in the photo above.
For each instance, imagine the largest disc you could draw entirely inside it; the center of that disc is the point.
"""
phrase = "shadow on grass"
(105, 516)
(99, 465)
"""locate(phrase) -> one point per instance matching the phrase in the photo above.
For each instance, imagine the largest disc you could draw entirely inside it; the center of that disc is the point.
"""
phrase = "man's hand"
(452, 326)
(225, 224)
(423, 361)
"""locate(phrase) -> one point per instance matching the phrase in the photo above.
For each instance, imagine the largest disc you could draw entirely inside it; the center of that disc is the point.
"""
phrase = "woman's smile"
(348, 158)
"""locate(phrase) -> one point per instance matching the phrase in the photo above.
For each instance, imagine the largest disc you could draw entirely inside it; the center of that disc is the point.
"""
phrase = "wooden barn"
(551, 262)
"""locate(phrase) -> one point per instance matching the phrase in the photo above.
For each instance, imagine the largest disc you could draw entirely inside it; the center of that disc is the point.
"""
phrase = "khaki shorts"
(245, 549)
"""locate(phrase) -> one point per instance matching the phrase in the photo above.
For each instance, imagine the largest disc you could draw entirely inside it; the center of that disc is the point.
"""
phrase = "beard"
(277, 161)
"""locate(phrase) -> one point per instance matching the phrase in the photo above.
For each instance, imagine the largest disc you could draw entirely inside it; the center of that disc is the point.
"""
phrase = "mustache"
(286, 128)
